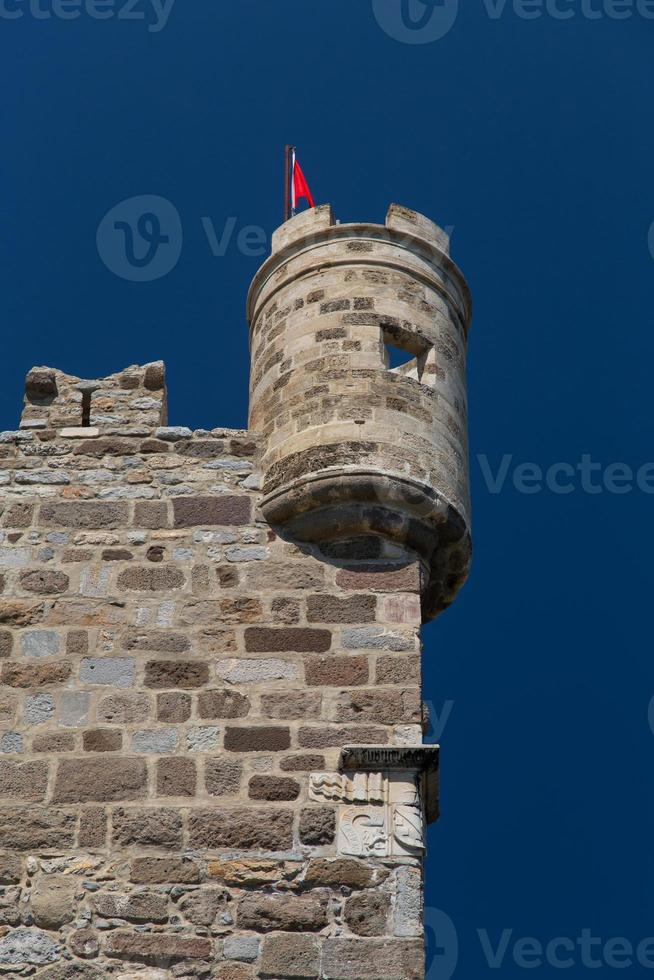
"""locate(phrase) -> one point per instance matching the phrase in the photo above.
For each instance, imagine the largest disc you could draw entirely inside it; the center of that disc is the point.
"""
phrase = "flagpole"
(293, 200)
(287, 182)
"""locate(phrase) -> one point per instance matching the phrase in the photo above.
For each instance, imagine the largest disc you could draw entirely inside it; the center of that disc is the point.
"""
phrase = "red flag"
(300, 186)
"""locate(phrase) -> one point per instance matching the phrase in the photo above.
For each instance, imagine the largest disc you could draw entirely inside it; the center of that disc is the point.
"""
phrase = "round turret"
(358, 344)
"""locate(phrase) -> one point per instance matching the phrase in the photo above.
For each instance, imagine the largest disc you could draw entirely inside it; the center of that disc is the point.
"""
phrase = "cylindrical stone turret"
(358, 343)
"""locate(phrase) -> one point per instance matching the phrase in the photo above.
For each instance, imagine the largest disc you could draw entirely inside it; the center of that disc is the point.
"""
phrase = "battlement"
(131, 401)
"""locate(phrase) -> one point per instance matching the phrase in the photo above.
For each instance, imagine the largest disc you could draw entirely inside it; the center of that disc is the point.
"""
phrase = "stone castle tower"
(210, 714)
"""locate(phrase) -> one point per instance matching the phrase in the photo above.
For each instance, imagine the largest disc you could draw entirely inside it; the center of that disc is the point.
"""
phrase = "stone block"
(100, 780)
(248, 671)
(44, 581)
(282, 912)
(173, 706)
(124, 709)
(209, 511)
(336, 671)
(23, 780)
(366, 913)
(23, 947)
(292, 956)
(53, 901)
(259, 828)
(146, 578)
(31, 828)
(108, 671)
(331, 609)
(176, 673)
(222, 704)
(291, 704)
(176, 776)
(102, 740)
(165, 870)
(155, 741)
(74, 708)
(147, 826)
(245, 949)
(86, 514)
(287, 640)
(372, 959)
(273, 788)
(162, 949)
(40, 643)
(317, 825)
(34, 675)
(223, 777)
(261, 739)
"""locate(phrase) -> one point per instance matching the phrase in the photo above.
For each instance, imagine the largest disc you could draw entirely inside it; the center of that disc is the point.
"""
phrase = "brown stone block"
(151, 514)
(124, 709)
(222, 704)
(284, 912)
(297, 640)
(200, 511)
(264, 739)
(310, 737)
(373, 959)
(89, 514)
(296, 957)
(380, 577)
(159, 950)
(19, 514)
(291, 704)
(35, 675)
(173, 707)
(53, 742)
(175, 673)
(398, 670)
(223, 777)
(248, 874)
(273, 788)
(323, 873)
(317, 825)
(336, 671)
(366, 913)
(285, 610)
(77, 642)
(92, 827)
(164, 870)
(150, 446)
(99, 780)
(234, 971)
(393, 706)
(44, 582)
(23, 780)
(284, 576)
(20, 612)
(102, 740)
(11, 869)
(6, 643)
(331, 609)
(31, 828)
(302, 763)
(240, 610)
(147, 579)
(176, 777)
(156, 641)
(147, 826)
(260, 828)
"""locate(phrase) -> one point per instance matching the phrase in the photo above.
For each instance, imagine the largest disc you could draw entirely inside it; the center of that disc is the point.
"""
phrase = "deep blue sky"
(534, 140)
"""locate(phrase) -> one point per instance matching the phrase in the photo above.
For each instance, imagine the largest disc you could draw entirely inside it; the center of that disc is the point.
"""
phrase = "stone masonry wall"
(172, 674)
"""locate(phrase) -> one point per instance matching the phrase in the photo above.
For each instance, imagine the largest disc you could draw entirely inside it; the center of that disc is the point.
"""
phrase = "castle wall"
(178, 685)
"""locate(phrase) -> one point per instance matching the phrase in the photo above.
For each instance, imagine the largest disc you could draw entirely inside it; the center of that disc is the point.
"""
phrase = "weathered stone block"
(160, 950)
(296, 957)
(99, 780)
(102, 740)
(263, 739)
(83, 514)
(108, 671)
(176, 673)
(370, 959)
(366, 913)
(163, 870)
(139, 907)
(273, 788)
(44, 581)
(176, 777)
(264, 829)
(200, 511)
(53, 901)
(223, 704)
(148, 579)
(287, 640)
(23, 780)
(31, 828)
(336, 671)
(222, 777)
(317, 825)
(282, 912)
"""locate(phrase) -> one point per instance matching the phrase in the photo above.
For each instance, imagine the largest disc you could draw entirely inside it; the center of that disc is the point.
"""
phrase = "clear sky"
(529, 132)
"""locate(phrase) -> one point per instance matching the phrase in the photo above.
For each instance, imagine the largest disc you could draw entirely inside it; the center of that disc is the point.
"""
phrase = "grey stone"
(156, 741)
(173, 433)
(28, 946)
(408, 903)
(375, 638)
(40, 643)
(49, 477)
(11, 743)
(127, 493)
(114, 671)
(14, 557)
(254, 671)
(247, 554)
(242, 948)
(202, 739)
(94, 582)
(39, 708)
(74, 708)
